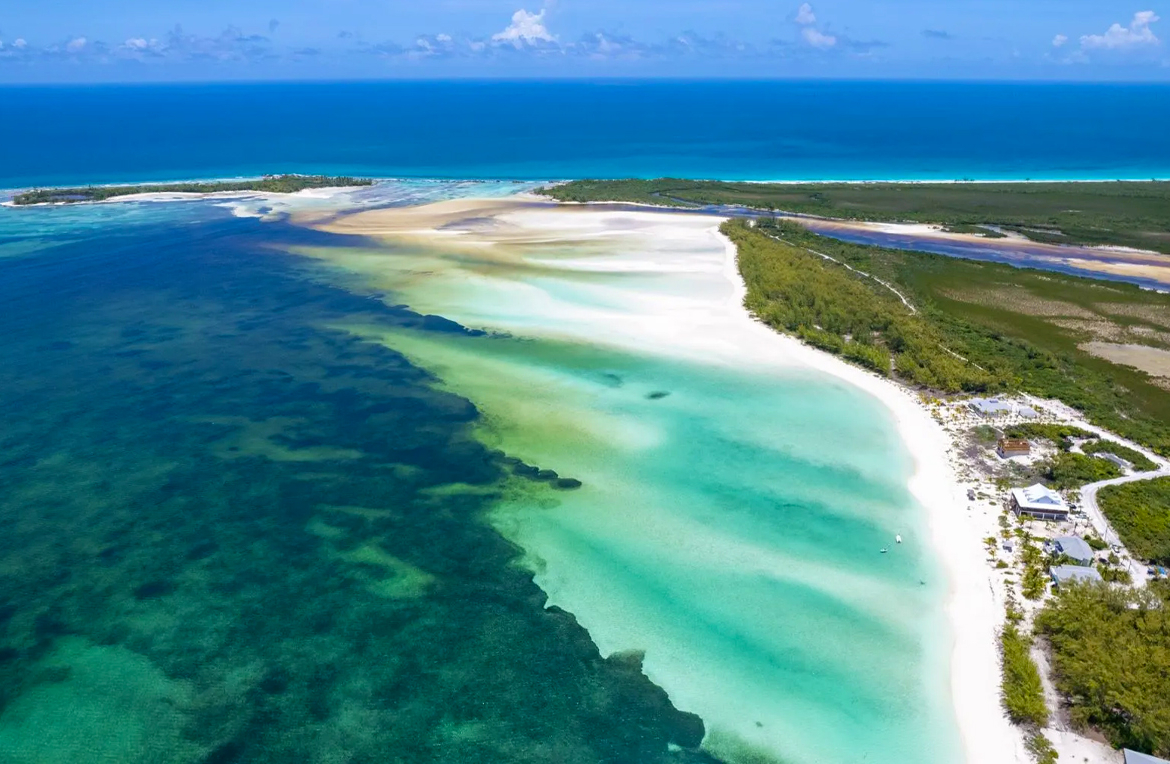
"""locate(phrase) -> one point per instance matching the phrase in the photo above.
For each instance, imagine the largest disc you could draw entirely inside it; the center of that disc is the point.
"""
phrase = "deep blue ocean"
(779, 130)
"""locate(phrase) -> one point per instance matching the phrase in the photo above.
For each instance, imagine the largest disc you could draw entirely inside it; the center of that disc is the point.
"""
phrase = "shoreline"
(972, 613)
(558, 181)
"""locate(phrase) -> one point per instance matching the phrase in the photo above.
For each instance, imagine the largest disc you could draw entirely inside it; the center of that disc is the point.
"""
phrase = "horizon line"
(585, 79)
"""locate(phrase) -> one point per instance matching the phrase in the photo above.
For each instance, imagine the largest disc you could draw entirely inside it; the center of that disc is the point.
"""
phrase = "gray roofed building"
(1076, 573)
(1027, 412)
(1133, 757)
(1077, 549)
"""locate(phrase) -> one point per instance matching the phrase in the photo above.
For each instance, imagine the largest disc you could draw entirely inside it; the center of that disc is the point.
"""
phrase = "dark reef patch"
(259, 520)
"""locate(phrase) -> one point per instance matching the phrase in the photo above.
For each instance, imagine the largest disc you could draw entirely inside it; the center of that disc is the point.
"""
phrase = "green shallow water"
(235, 534)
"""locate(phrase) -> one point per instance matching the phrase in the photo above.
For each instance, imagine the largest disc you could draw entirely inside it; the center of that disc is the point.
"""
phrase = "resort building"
(994, 407)
(1133, 757)
(1064, 573)
(1038, 501)
(1074, 547)
(990, 407)
(1009, 447)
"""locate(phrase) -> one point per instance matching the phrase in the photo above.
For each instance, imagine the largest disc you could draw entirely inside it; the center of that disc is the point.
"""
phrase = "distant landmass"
(1130, 214)
(273, 184)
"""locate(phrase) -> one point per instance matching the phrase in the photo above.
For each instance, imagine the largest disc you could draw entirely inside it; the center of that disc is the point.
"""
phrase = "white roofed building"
(1039, 501)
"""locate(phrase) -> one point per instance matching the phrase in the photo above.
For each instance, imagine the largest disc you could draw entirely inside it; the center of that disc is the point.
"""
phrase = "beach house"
(1038, 501)
(989, 407)
(1074, 547)
(996, 407)
(1133, 757)
(1009, 447)
(1062, 574)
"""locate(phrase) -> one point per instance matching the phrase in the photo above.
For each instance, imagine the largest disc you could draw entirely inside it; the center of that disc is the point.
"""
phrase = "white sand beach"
(700, 317)
(973, 611)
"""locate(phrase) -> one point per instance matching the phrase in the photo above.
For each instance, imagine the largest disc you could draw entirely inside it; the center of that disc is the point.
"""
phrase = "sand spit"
(702, 319)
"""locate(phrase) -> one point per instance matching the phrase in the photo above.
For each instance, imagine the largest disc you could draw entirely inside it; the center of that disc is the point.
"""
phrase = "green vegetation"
(1035, 580)
(1023, 694)
(834, 309)
(1140, 463)
(1134, 214)
(979, 327)
(985, 435)
(1111, 655)
(1095, 543)
(1140, 512)
(1041, 748)
(1115, 575)
(1058, 434)
(1069, 470)
(275, 184)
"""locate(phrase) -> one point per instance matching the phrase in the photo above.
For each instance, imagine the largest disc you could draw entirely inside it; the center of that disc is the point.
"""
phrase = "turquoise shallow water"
(734, 504)
(280, 520)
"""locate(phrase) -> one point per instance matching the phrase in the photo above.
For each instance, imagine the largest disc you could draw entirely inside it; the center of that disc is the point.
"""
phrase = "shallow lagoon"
(275, 516)
(734, 499)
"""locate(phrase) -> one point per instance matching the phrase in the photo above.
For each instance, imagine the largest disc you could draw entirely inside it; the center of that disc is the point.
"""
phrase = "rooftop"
(1039, 497)
(1062, 573)
(1074, 546)
(990, 406)
(998, 406)
(1133, 757)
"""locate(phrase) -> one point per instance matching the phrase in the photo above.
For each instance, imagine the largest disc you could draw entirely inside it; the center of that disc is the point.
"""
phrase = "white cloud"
(817, 39)
(19, 43)
(1059, 41)
(805, 15)
(1137, 34)
(526, 29)
(76, 45)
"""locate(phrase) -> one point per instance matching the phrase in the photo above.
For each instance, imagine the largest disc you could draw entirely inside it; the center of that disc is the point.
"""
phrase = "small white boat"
(898, 539)
(884, 550)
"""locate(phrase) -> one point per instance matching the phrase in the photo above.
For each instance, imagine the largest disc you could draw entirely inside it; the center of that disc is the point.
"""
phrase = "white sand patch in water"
(730, 530)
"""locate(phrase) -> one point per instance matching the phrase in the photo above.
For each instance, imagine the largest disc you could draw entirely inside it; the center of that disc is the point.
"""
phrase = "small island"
(271, 184)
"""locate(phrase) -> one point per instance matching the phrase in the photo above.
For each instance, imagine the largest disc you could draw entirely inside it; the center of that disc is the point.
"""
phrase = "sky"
(200, 40)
